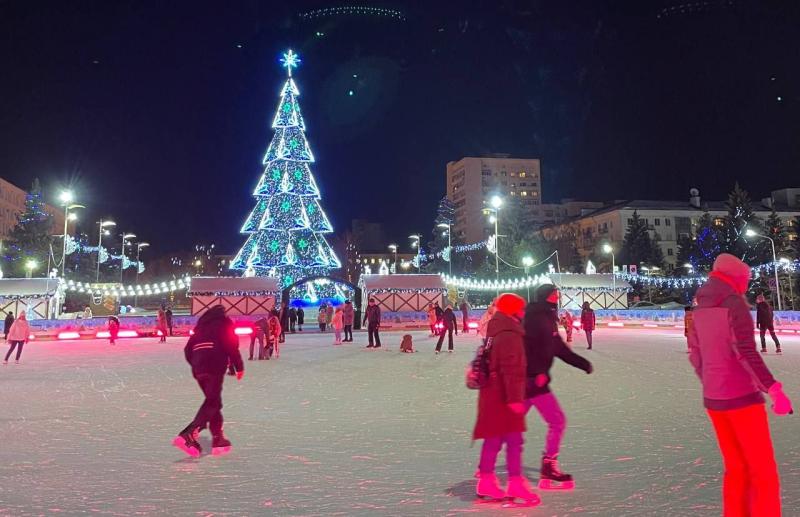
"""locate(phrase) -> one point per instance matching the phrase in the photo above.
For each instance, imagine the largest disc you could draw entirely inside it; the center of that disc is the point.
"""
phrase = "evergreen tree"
(707, 243)
(776, 230)
(740, 218)
(637, 247)
(686, 251)
(656, 257)
(31, 237)
(286, 229)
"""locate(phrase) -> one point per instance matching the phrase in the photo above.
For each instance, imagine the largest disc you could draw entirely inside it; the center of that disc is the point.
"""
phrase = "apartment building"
(12, 202)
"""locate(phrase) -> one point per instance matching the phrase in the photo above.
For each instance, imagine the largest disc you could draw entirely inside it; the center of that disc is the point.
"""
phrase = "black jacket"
(214, 344)
(763, 315)
(449, 319)
(373, 315)
(9, 321)
(439, 312)
(284, 317)
(300, 315)
(543, 344)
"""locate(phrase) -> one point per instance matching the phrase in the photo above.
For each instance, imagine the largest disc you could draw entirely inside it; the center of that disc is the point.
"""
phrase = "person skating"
(292, 320)
(273, 335)
(484, 321)
(113, 329)
(588, 322)
(301, 317)
(687, 325)
(464, 307)
(338, 325)
(283, 316)
(7, 324)
(765, 322)
(501, 406)
(161, 325)
(18, 335)
(209, 350)
(168, 314)
(566, 322)
(372, 318)
(329, 316)
(439, 313)
(322, 318)
(733, 376)
(432, 319)
(260, 330)
(543, 344)
(449, 324)
(348, 317)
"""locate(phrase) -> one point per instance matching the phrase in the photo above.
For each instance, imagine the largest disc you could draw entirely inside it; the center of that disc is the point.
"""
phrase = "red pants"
(751, 486)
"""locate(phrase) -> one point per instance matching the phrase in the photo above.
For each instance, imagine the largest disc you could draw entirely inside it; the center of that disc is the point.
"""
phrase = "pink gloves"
(781, 405)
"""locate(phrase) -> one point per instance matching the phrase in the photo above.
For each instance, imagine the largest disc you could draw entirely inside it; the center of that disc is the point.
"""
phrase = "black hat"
(544, 291)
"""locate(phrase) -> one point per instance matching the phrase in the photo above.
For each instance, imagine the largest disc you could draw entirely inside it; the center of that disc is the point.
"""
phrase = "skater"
(113, 329)
(273, 335)
(588, 322)
(321, 318)
(7, 324)
(464, 307)
(292, 320)
(161, 325)
(168, 314)
(432, 319)
(349, 316)
(372, 318)
(733, 376)
(18, 335)
(209, 351)
(439, 313)
(301, 316)
(501, 406)
(260, 329)
(566, 322)
(764, 322)
(543, 344)
(449, 324)
(338, 325)
(87, 313)
(329, 315)
(487, 316)
(283, 316)
(687, 325)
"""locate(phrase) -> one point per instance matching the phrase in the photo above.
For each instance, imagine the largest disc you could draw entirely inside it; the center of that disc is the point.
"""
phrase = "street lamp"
(102, 224)
(449, 247)
(139, 247)
(752, 233)
(393, 249)
(125, 237)
(30, 265)
(415, 242)
(66, 199)
(495, 202)
(607, 248)
(527, 262)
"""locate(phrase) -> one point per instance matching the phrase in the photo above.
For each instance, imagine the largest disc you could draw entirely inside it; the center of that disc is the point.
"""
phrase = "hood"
(713, 292)
(733, 271)
(501, 323)
(212, 315)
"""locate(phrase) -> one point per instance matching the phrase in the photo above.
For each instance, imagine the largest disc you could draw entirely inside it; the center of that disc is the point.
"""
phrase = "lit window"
(514, 193)
(522, 174)
(523, 193)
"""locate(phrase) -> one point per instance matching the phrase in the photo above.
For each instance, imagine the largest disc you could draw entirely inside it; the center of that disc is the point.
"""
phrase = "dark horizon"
(158, 116)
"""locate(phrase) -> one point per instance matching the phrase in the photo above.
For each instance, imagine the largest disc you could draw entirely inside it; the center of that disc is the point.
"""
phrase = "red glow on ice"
(576, 324)
(616, 324)
(191, 332)
(159, 333)
(103, 334)
(69, 334)
(128, 333)
(243, 331)
(472, 325)
(31, 337)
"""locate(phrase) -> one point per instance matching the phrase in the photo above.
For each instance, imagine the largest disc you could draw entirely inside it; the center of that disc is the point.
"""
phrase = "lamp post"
(495, 202)
(102, 224)
(786, 262)
(30, 265)
(125, 237)
(607, 248)
(66, 199)
(393, 249)
(527, 262)
(753, 233)
(139, 247)
(449, 248)
(415, 242)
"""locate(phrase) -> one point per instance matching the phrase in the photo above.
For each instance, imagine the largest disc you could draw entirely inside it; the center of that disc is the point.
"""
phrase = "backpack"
(478, 370)
(406, 345)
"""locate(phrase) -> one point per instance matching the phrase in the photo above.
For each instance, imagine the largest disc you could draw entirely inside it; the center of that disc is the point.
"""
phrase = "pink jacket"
(20, 330)
(338, 320)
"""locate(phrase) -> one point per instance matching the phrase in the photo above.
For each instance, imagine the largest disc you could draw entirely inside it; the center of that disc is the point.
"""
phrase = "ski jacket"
(588, 320)
(722, 348)
(214, 344)
(338, 320)
(764, 315)
(439, 312)
(284, 316)
(348, 314)
(261, 326)
(432, 318)
(292, 314)
(321, 316)
(161, 321)
(506, 381)
(449, 319)
(543, 344)
(20, 330)
(301, 315)
(373, 315)
(7, 326)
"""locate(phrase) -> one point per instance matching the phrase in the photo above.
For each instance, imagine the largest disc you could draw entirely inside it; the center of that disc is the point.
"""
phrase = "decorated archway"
(313, 290)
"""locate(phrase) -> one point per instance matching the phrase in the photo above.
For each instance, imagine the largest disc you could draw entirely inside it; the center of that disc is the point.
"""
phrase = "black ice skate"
(187, 441)
(220, 445)
(551, 478)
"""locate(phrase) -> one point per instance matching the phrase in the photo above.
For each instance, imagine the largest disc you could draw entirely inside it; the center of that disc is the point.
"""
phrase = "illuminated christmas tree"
(286, 229)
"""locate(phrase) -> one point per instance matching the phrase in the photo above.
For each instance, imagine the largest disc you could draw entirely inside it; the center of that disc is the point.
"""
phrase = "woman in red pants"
(722, 350)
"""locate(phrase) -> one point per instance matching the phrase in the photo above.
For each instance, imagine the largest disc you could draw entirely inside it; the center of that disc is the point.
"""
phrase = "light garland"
(353, 9)
(390, 290)
(690, 281)
(120, 291)
(494, 285)
(75, 246)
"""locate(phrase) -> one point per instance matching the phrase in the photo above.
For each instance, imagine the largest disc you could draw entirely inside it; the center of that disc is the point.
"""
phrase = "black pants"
(465, 319)
(589, 337)
(449, 332)
(322, 327)
(253, 337)
(292, 324)
(169, 326)
(771, 333)
(18, 346)
(348, 332)
(210, 412)
(374, 337)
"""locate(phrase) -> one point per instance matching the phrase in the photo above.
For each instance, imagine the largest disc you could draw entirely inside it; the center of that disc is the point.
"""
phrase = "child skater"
(338, 324)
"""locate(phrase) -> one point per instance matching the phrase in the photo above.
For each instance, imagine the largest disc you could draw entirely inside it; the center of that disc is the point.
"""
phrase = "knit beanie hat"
(734, 270)
(544, 291)
(510, 304)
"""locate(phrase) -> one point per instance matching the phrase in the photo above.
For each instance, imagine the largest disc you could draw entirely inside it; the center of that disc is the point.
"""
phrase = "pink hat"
(736, 272)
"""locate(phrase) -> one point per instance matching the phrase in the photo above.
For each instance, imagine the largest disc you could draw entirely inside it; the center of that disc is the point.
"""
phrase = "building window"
(657, 222)
(669, 252)
(503, 173)
(630, 221)
(719, 221)
(668, 221)
(523, 193)
(522, 174)
(513, 193)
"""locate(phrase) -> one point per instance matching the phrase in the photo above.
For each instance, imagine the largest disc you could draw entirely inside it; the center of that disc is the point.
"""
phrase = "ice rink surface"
(86, 430)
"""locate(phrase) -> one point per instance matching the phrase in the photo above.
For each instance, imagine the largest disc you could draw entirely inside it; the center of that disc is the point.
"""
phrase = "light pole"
(125, 237)
(527, 262)
(753, 233)
(66, 199)
(393, 249)
(495, 202)
(30, 265)
(449, 248)
(415, 242)
(786, 262)
(607, 248)
(139, 247)
(102, 224)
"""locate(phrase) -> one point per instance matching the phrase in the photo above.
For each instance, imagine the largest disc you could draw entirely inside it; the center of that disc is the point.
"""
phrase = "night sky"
(158, 113)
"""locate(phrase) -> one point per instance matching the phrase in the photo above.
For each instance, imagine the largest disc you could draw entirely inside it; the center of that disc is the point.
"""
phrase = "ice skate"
(187, 441)
(519, 492)
(763, 350)
(779, 351)
(220, 445)
(551, 478)
(489, 488)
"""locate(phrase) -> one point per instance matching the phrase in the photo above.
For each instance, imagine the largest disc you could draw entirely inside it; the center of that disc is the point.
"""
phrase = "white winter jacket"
(20, 330)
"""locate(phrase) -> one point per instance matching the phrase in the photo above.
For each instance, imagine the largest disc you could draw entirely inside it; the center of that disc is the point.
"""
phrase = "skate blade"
(220, 451)
(521, 503)
(549, 484)
(487, 499)
(180, 443)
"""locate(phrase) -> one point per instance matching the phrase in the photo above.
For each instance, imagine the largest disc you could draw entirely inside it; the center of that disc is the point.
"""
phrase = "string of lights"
(120, 291)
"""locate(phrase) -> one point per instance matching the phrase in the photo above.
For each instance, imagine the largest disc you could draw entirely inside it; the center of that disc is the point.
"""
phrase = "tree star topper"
(290, 60)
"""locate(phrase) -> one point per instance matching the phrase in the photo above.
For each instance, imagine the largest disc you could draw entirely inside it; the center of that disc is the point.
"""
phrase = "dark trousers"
(292, 324)
(374, 337)
(348, 332)
(771, 333)
(260, 337)
(589, 337)
(322, 327)
(169, 326)
(210, 412)
(449, 332)
(465, 319)
(18, 346)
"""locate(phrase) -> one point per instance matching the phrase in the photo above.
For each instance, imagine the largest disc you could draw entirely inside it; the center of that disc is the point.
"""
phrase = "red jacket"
(506, 382)
(588, 320)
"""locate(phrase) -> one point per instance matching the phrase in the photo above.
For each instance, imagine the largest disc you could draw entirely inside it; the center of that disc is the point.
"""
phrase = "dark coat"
(348, 314)
(449, 319)
(543, 344)
(763, 315)
(214, 344)
(506, 382)
(301, 315)
(7, 325)
(292, 314)
(588, 319)
(168, 314)
(284, 316)
(439, 312)
(373, 315)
